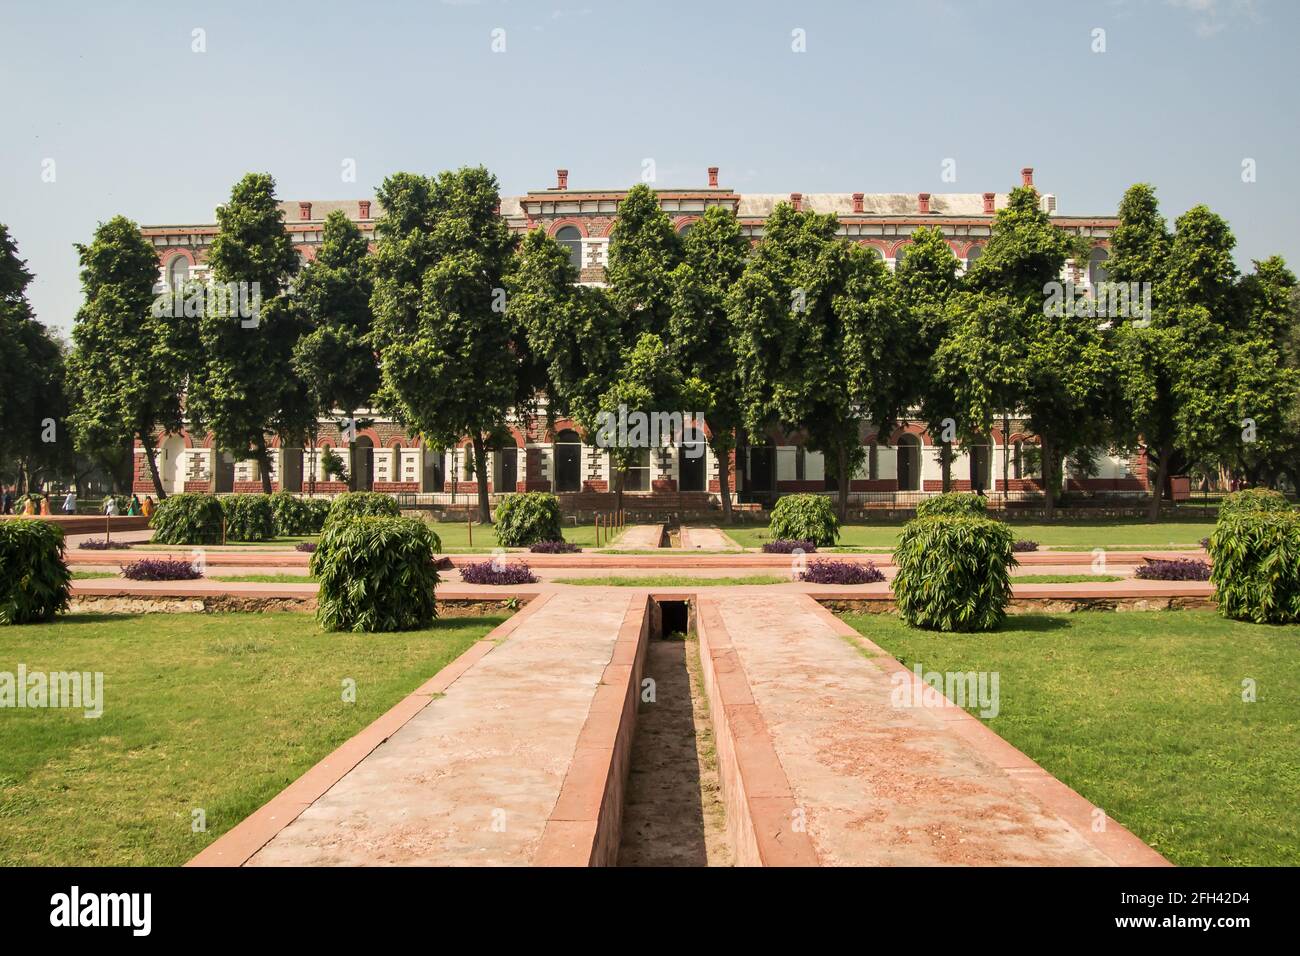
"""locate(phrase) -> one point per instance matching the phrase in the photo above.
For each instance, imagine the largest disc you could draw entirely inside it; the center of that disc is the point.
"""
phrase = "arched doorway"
(431, 469)
(363, 464)
(981, 465)
(909, 463)
(568, 461)
(169, 470)
(692, 474)
(760, 467)
(505, 472)
(223, 472)
(291, 469)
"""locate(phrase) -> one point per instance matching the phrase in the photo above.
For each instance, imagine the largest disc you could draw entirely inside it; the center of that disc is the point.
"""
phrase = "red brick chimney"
(1027, 176)
(713, 177)
(363, 208)
(923, 203)
(796, 200)
(857, 202)
(561, 179)
(988, 203)
(304, 210)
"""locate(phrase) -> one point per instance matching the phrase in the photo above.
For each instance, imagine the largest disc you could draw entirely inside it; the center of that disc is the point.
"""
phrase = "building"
(385, 458)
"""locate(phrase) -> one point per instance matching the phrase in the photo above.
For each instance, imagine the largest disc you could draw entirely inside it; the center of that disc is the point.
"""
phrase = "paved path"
(640, 536)
(880, 784)
(706, 539)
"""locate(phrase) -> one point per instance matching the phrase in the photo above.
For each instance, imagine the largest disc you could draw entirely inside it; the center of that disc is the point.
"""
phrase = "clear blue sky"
(139, 124)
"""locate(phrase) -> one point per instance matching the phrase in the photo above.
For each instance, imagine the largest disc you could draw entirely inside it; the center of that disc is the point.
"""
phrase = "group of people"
(38, 503)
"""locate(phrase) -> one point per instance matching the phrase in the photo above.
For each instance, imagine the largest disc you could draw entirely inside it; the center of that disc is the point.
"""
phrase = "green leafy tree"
(245, 388)
(643, 252)
(448, 349)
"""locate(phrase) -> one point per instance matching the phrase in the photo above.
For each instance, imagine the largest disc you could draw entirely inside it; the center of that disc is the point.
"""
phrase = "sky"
(154, 110)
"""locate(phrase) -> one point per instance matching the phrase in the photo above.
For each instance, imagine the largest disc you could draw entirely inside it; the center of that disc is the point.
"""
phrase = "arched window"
(178, 273)
(571, 239)
(1097, 266)
(875, 251)
(567, 455)
(685, 228)
(909, 463)
(900, 254)
(972, 255)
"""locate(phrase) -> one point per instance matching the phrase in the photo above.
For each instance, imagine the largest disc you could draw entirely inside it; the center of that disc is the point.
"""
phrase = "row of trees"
(453, 323)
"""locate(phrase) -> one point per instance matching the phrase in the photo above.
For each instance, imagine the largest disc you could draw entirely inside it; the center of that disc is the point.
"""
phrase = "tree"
(447, 346)
(701, 334)
(334, 357)
(130, 358)
(643, 252)
(819, 338)
(245, 388)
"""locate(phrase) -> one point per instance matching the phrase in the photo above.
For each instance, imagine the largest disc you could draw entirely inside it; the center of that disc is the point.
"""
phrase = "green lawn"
(89, 575)
(1142, 713)
(456, 537)
(1115, 533)
(672, 581)
(285, 543)
(218, 712)
(268, 578)
(1062, 578)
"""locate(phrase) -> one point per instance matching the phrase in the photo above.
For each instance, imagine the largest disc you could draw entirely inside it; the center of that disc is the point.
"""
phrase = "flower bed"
(491, 572)
(554, 547)
(103, 544)
(789, 546)
(161, 569)
(1176, 570)
(1024, 545)
(841, 572)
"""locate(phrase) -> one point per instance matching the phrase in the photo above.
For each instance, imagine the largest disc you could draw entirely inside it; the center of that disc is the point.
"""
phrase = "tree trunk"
(480, 469)
(146, 442)
(1164, 453)
(264, 464)
(314, 457)
(724, 481)
(1006, 460)
(842, 468)
(945, 463)
(1049, 475)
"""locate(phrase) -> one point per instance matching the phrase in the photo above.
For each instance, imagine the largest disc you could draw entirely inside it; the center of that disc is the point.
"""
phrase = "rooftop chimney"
(923, 203)
(1027, 176)
(713, 177)
(561, 179)
(304, 210)
(363, 208)
(988, 203)
(796, 200)
(857, 202)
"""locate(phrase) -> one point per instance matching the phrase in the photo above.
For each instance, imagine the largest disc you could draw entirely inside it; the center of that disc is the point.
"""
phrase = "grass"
(1142, 713)
(1062, 578)
(89, 575)
(672, 581)
(268, 578)
(285, 543)
(217, 712)
(1114, 533)
(456, 537)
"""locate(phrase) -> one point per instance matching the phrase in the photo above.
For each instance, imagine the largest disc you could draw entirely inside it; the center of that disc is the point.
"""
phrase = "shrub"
(805, 518)
(308, 546)
(1024, 545)
(295, 515)
(554, 547)
(1253, 499)
(1205, 544)
(34, 581)
(952, 503)
(1181, 569)
(491, 572)
(841, 572)
(524, 519)
(161, 569)
(361, 504)
(103, 544)
(953, 573)
(786, 546)
(376, 573)
(189, 518)
(248, 517)
(1256, 572)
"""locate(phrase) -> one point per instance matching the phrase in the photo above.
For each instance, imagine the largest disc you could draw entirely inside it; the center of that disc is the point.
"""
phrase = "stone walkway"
(706, 539)
(638, 536)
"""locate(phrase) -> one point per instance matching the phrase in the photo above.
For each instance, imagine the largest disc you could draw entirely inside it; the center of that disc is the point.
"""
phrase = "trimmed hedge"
(805, 518)
(361, 504)
(190, 518)
(526, 518)
(248, 517)
(953, 573)
(1256, 566)
(34, 581)
(295, 515)
(376, 574)
(1252, 500)
(953, 503)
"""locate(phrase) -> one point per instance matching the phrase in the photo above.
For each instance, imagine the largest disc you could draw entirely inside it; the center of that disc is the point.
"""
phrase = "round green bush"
(805, 518)
(953, 503)
(248, 517)
(954, 573)
(189, 518)
(376, 574)
(295, 515)
(1251, 500)
(362, 504)
(34, 580)
(1256, 566)
(525, 518)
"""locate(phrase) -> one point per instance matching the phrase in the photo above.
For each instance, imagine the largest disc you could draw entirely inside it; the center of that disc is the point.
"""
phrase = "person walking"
(45, 505)
(110, 506)
(133, 508)
(29, 506)
(146, 509)
(70, 503)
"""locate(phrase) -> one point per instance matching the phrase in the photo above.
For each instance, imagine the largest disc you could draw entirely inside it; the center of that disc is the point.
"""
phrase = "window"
(571, 239)
(899, 255)
(178, 272)
(637, 475)
(800, 463)
(1097, 266)
(972, 255)
(685, 228)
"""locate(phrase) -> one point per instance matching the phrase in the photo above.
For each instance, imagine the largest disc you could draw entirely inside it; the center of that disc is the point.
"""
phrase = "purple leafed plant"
(161, 569)
(308, 546)
(841, 572)
(1177, 570)
(1205, 544)
(102, 544)
(1024, 545)
(787, 546)
(486, 572)
(554, 547)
